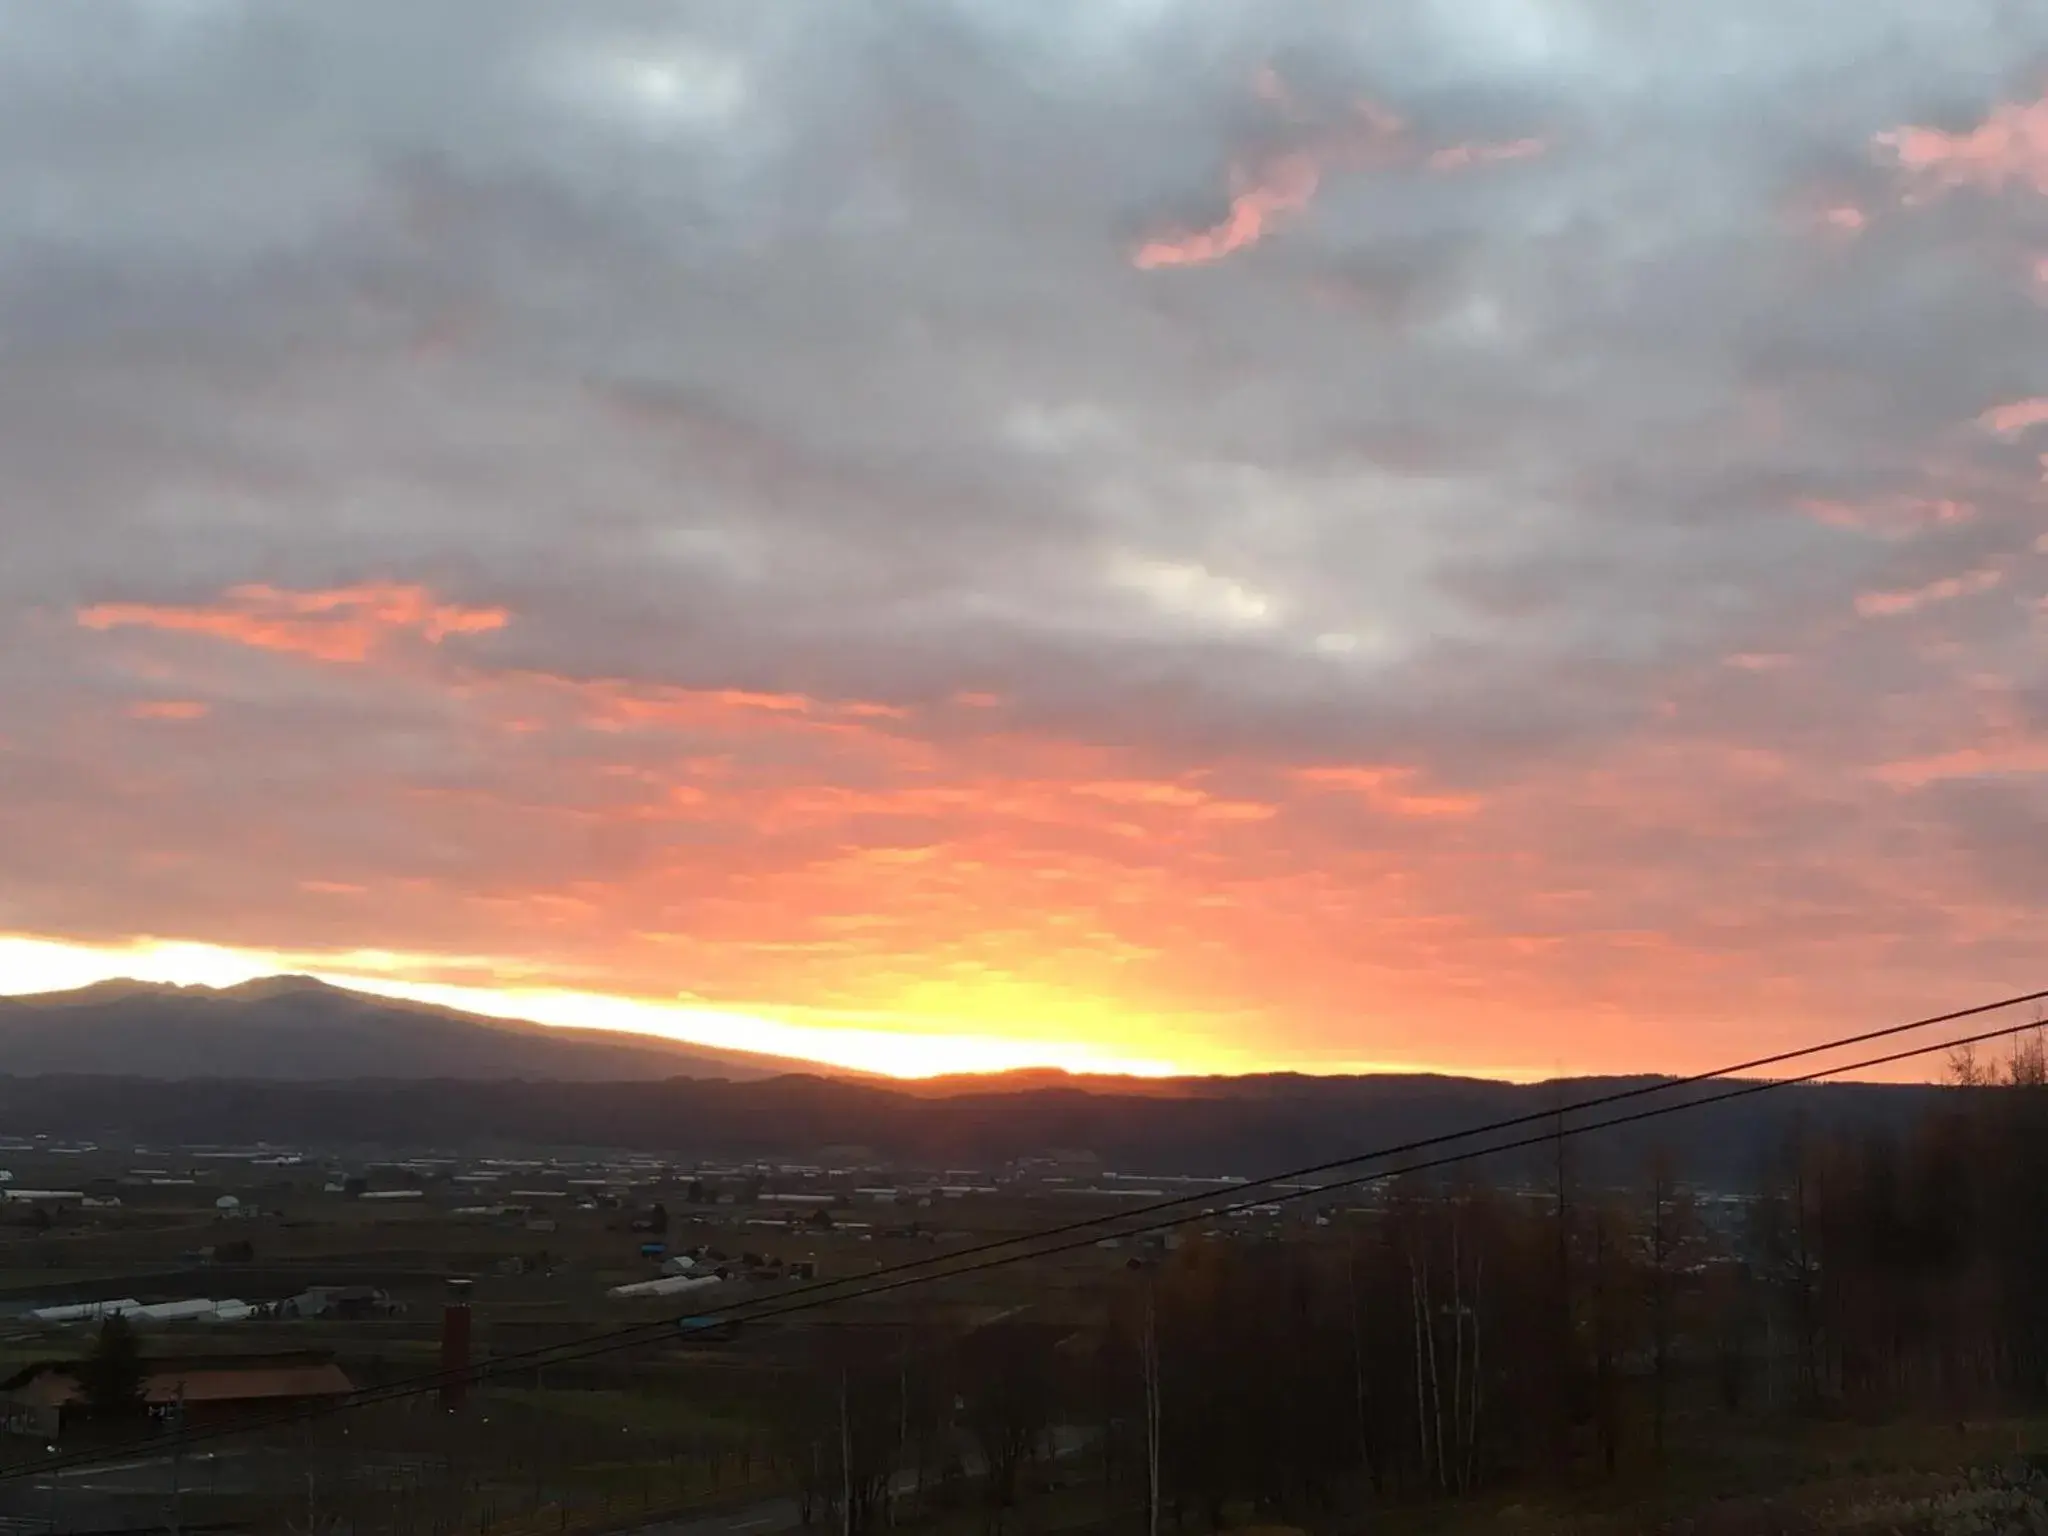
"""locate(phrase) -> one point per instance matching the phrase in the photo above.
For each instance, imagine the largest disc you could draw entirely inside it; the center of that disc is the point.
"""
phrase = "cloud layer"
(1503, 535)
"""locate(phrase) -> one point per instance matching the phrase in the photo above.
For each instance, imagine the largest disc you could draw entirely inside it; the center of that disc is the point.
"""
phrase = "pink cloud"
(1457, 157)
(170, 709)
(1387, 787)
(1270, 88)
(2011, 419)
(1260, 196)
(610, 704)
(1271, 189)
(1892, 604)
(1888, 517)
(1966, 763)
(2011, 145)
(1268, 190)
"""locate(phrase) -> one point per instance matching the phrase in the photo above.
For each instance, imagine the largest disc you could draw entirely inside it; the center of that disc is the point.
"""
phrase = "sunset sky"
(1494, 535)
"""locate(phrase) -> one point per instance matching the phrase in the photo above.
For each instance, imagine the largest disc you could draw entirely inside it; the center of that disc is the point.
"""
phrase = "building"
(40, 1400)
(342, 1303)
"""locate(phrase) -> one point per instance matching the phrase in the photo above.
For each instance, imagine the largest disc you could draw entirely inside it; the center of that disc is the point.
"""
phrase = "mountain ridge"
(299, 1028)
(796, 1117)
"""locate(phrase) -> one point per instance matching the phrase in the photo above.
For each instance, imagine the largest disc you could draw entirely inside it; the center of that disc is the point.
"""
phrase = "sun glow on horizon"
(908, 1046)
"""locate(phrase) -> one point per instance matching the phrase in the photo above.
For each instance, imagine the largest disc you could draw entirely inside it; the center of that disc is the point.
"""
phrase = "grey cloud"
(820, 364)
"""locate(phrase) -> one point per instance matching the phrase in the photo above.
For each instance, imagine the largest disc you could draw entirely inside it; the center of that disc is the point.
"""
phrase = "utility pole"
(1562, 1340)
(1358, 1357)
(845, 1461)
(902, 1425)
(178, 1462)
(1151, 1359)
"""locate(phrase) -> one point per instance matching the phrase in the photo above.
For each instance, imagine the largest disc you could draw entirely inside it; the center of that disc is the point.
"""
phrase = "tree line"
(1452, 1334)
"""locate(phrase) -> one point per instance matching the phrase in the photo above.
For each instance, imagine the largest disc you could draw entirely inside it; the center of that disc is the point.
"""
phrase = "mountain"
(294, 1028)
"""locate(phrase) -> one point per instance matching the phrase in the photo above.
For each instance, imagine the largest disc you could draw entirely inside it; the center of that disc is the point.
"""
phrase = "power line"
(1554, 1114)
(785, 1304)
(860, 1288)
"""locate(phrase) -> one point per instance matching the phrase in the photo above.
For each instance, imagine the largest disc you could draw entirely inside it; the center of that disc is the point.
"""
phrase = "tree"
(834, 1421)
(112, 1374)
(1008, 1389)
(1672, 1238)
(1609, 1282)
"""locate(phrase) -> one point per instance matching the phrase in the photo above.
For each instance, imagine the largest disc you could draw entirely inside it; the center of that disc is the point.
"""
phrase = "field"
(665, 1424)
(1013, 1398)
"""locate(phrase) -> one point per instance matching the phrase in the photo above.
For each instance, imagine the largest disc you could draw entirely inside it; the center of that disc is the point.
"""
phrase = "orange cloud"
(1145, 792)
(1266, 191)
(2014, 418)
(1142, 792)
(1273, 187)
(170, 709)
(2009, 145)
(609, 704)
(774, 703)
(1259, 196)
(1457, 157)
(830, 858)
(1891, 604)
(1386, 788)
(344, 625)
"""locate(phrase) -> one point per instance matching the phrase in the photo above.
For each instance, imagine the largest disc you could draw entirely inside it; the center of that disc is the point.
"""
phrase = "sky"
(1486, 535)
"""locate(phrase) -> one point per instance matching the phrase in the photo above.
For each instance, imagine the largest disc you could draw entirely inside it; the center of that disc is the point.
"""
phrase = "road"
(111, 1494)
(769, 1516)
(761, 1519)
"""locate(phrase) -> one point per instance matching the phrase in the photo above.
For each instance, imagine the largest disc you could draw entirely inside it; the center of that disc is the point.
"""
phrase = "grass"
(1762, 1475)
(646, 1412)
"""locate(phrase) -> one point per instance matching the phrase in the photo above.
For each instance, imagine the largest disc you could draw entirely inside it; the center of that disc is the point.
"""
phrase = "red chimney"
(455, 1345)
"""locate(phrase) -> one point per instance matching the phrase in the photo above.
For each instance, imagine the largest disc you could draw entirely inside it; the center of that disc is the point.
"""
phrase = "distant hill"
(341, 1068)
(295, 1028)
(1273, 1123)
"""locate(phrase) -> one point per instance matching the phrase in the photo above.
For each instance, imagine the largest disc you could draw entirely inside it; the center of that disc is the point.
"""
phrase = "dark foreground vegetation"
(1459, 1340)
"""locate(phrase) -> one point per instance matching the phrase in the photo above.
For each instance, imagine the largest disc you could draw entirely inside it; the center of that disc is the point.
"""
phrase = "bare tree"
(1670, 1242)
(1008, 1388)
(1150, 1355)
